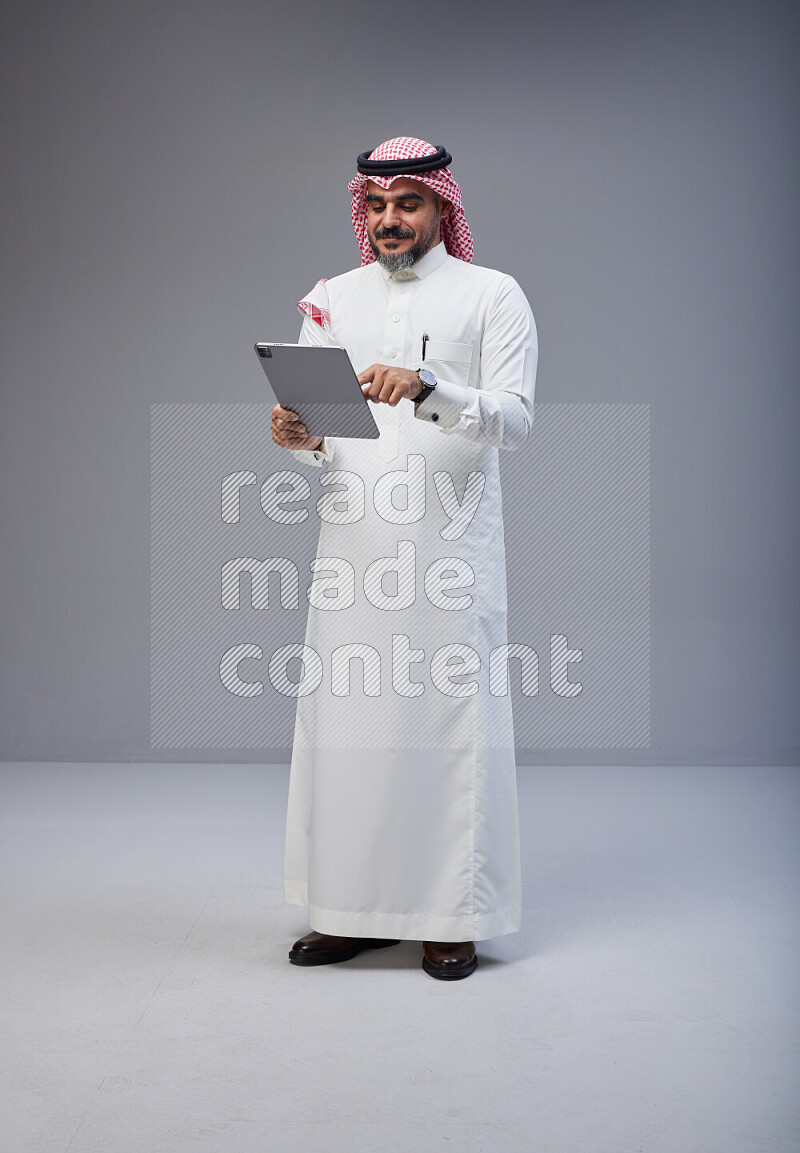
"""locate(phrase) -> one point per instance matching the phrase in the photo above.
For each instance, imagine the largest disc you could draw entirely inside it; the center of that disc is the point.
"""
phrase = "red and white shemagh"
(456, 235)
(315, 305)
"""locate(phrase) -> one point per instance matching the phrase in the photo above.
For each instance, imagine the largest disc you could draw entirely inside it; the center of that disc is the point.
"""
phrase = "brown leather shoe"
(449, 960)
(321, 949)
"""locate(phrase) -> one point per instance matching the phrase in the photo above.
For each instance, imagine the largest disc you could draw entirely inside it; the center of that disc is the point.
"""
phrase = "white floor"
(649, 1004)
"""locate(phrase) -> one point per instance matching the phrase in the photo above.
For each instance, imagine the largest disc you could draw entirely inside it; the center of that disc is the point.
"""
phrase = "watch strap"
(427, 389)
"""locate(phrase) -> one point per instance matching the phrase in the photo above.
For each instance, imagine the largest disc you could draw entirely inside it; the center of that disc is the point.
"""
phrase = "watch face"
(427, 378)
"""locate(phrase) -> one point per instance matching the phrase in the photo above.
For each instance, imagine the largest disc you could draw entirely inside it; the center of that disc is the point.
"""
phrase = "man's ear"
(445, 207)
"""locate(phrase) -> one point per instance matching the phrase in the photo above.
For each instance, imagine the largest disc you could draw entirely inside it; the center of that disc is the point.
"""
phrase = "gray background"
(175, 178)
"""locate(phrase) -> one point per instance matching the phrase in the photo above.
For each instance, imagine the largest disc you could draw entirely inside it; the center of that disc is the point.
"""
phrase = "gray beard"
(399, 261)
(396, 262)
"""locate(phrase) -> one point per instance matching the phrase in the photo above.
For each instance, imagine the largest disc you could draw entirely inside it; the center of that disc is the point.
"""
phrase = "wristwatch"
(428, 384)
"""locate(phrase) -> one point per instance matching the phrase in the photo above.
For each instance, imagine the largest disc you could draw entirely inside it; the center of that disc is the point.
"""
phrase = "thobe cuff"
(444, 405)
(315, 456)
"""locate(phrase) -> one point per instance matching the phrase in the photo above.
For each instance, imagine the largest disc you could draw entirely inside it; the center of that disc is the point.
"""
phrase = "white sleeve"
(500, 411)
(313, 333)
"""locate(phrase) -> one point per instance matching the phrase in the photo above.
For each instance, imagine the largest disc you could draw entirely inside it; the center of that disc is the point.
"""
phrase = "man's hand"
(388, 385)
(288, 432)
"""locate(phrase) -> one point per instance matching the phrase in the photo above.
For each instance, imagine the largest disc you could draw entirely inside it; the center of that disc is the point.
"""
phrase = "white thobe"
(402, 815)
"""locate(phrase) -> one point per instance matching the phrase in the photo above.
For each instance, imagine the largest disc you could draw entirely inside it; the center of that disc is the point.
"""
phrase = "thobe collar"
(433, 259)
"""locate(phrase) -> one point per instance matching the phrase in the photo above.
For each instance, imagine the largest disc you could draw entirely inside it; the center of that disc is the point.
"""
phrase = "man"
(402, 817)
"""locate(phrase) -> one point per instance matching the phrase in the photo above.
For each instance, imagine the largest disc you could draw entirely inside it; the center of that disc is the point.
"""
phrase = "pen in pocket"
(424, 342)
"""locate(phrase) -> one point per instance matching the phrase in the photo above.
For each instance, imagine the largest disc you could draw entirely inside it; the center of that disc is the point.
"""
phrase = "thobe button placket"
(394, 343)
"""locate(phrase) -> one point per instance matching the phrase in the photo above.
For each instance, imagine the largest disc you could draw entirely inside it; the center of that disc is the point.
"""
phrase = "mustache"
(396, 233)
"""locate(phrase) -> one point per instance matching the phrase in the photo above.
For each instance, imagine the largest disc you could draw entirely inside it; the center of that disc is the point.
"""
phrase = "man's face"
(403, 221)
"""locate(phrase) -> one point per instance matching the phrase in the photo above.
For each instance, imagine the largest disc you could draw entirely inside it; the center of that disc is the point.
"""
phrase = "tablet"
(320, 385)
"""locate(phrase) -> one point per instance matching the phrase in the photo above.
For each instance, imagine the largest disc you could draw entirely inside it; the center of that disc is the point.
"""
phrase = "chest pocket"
(451, 360)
